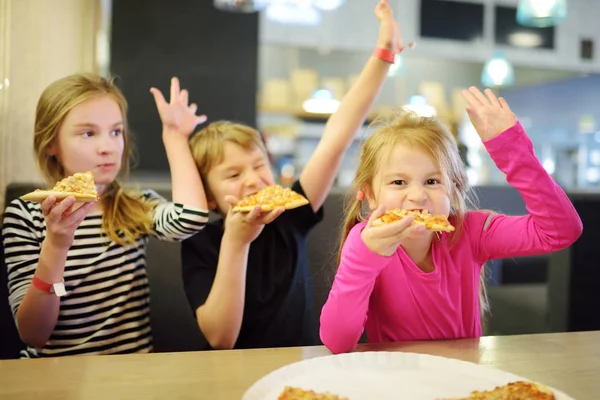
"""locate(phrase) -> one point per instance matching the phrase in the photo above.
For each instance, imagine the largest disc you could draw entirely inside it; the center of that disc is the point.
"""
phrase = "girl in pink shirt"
(404, 282)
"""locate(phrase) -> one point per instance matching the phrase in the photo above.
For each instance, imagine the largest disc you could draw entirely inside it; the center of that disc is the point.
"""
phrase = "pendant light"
(497, 71)
(541, 13)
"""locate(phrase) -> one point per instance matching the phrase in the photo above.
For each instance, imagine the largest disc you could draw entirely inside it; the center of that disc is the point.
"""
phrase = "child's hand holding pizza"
(385, 239)
(246, 226)
(62, 219)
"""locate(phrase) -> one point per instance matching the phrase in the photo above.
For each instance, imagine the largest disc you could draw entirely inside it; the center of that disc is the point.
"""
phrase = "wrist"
(384, 54)
(231, 237)
(170, 135)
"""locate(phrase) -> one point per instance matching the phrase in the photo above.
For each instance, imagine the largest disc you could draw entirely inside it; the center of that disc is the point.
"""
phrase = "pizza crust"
(271, 198)
(80, 185)
(435, 223)
(38, 196)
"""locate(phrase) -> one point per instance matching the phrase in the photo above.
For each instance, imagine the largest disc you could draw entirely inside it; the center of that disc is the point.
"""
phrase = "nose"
(417, 194)
(252, 179)
(106, 144)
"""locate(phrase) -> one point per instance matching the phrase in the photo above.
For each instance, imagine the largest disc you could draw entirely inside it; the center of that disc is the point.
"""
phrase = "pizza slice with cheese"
(294, 393)
(436, 223)
(270, 198)
(80, 185)
(514, 390)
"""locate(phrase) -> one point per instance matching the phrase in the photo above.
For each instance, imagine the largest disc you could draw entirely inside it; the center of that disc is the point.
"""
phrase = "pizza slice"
(270, 198)
(436, 223)
(293, 393)
(80, 185)
(514, 390)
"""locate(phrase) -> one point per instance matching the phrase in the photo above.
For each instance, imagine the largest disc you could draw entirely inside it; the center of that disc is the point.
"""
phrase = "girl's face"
(410, 179)
(91, 139)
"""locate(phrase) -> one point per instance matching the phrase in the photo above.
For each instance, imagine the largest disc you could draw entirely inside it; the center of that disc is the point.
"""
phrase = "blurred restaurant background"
(283, 66)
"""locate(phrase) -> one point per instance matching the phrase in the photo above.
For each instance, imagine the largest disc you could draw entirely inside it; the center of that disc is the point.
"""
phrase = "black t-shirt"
(278, 310)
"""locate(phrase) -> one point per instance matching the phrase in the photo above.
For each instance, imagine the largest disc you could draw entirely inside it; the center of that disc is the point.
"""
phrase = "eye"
(87, 134)
(433, 182)
(233, 175)
(117, 132)
(398, 182)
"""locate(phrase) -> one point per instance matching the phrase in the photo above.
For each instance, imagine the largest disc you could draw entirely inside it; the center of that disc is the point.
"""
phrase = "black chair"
(10, 342)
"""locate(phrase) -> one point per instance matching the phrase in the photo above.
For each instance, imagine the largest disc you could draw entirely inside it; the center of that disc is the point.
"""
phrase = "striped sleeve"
(22, 236)
(175, 222)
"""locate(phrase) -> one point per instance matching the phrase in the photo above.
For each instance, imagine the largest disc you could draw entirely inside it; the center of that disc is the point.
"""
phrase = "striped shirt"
(107, 306)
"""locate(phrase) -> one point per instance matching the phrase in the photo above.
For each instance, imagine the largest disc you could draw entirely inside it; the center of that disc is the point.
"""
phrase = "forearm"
(220, 317)
(38, 312)
(186, 184)
(355, 106)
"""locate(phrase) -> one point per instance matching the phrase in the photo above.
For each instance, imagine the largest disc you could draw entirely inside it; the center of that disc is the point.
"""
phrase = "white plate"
(384, 375)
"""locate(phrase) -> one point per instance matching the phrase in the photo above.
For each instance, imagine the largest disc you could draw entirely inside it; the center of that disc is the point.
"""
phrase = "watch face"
(59, 289)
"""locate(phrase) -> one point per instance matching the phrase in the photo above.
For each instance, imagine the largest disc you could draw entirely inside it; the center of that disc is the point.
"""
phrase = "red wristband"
(384, 54)
(41, 285)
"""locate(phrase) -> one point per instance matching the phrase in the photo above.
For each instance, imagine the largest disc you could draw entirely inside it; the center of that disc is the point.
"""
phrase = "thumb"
(378, 212)
(201, 119)
(232, 200)
(158, 96)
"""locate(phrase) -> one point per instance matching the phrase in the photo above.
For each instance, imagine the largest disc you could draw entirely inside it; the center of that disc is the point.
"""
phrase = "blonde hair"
(209, 143)
(126, 215)
(429, 136)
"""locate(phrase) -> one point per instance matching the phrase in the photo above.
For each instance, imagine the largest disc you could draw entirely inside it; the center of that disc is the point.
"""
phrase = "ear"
(212, 205)
(52, 149)
(370, 198)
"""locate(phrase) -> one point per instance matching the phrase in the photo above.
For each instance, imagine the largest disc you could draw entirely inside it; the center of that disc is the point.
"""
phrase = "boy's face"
(241, 173)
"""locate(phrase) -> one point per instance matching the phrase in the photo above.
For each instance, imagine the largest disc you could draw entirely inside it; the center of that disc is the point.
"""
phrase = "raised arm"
(320, 171)
(179, 121)
(552, 223)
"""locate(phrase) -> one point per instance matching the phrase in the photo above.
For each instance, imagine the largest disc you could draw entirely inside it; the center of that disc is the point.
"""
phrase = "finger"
(504, 104)
(492, 97)
(378, 212)
(479, 96)
(253, 215)
(201, 119)
(271, 216)
(77, 216)
(174, 89)
(473, 102)
(47, 205)
(159, 99)
(57, 212)
(231, 200)
(392, 230)
(184, 97)
(193, 108)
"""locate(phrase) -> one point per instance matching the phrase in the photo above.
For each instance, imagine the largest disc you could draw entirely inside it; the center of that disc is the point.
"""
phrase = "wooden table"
(567, 361)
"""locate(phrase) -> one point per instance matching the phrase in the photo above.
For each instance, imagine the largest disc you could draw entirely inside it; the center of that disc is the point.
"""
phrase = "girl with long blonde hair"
(402, 282)
(77, 273)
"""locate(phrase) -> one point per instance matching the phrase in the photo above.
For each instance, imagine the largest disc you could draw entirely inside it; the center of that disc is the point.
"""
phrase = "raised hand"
(489, 115)
(246, 226)
(389, 34)
(385, 239)
(177, 115)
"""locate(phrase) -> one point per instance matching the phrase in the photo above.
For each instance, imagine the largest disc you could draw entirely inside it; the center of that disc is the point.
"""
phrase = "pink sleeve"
(344, 314)
(552, 223)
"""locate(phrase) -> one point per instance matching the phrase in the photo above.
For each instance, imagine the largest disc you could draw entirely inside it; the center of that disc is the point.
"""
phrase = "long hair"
(126, 215)
(433, 139)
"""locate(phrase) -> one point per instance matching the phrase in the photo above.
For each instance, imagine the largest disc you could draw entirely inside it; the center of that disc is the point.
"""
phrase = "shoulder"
(25, 211)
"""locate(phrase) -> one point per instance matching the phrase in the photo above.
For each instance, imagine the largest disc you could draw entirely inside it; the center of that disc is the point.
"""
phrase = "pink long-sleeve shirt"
(396, 301)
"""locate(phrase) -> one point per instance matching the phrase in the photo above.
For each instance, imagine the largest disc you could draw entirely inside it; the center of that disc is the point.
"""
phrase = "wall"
(353, 26)
(40, 41)
(214, 54)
